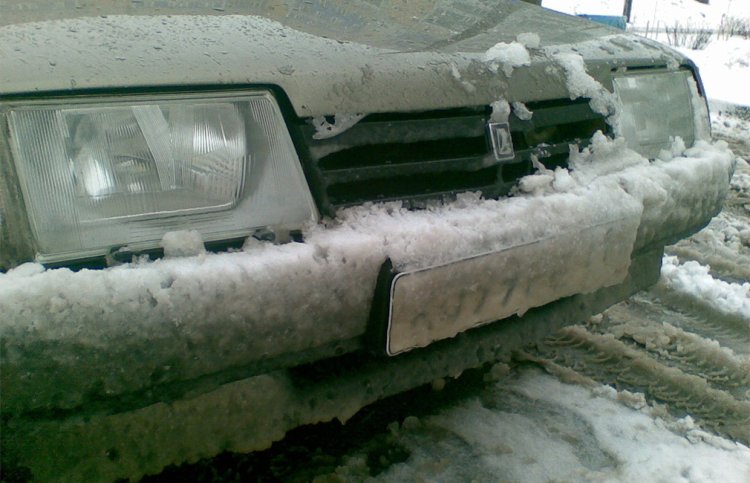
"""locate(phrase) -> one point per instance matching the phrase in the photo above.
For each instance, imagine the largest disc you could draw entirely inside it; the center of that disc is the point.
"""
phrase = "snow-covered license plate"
(440, 302)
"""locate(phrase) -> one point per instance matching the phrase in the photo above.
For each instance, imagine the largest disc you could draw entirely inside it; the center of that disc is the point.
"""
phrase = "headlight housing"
(102, 173)
(659, 106)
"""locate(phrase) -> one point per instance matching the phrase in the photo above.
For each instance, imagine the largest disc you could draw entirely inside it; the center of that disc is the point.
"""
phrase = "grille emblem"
(502, 143)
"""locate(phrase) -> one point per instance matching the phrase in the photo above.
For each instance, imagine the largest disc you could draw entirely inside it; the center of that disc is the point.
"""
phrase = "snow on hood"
(391, 25)
(324, 66)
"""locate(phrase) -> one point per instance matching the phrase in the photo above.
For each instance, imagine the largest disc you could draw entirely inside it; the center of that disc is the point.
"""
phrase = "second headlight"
(657, 107)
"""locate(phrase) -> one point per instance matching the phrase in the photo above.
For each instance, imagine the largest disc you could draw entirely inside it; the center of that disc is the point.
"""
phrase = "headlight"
(660, 106)
(104, 173)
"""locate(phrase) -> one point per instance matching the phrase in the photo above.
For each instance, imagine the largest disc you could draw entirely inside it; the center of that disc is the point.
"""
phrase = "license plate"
(440, 302)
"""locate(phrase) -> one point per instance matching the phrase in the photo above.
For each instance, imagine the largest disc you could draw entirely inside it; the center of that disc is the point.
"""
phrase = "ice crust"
(67, 335)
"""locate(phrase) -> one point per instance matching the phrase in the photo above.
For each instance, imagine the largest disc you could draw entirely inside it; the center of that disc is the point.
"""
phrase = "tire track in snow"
(606, 359)
(727, 333)
(689, 352)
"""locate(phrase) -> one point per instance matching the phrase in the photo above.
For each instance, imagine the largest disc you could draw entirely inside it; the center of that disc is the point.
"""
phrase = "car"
(219, 223)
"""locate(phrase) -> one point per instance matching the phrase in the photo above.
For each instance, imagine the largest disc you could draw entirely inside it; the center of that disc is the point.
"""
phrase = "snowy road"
(657, 388)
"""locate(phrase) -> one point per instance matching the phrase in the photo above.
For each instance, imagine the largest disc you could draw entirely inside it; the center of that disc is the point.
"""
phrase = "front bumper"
(69, 338)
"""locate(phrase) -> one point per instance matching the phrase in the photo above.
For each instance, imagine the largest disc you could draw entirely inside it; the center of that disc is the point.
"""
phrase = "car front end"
(217, 227)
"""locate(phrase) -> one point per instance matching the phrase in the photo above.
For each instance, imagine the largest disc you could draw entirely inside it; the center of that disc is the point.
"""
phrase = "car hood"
(327, 56)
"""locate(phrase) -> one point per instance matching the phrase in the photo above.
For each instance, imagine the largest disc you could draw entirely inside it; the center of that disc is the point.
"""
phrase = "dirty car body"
(388, 195)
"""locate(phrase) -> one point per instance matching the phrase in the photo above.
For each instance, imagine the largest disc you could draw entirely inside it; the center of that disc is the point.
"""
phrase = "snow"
(533, 427)
(238, 308)
(508, 56)
(725, 123)
(521, 111)
(182, 243)
(677, 148)
(581, 84)
(546, 180)
(725, 69)
(603, 156)
(741, 183)
(694, 279)
(468, 86)
(500, 111)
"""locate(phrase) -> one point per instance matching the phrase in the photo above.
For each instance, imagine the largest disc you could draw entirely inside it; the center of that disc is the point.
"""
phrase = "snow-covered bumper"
(69, 338)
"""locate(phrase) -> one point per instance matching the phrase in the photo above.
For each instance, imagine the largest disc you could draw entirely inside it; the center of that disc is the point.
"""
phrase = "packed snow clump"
(676, 149)
(603, 156)
(581, 84)
(184, 243)
(508, 56)
(500, 111)
(522, 112)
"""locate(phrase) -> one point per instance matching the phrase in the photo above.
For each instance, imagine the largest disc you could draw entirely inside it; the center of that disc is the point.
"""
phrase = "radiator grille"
(418, 157)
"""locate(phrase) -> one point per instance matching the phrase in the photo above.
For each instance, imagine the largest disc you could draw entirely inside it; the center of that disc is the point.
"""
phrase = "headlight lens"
(659, 106)
(105, 173)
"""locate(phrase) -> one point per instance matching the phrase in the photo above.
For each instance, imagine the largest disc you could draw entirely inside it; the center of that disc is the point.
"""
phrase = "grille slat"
(543, 152)
(416, 157)
(406, 169)
(420, 133)
(546, 116)
(411, 188)
(405, 153)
